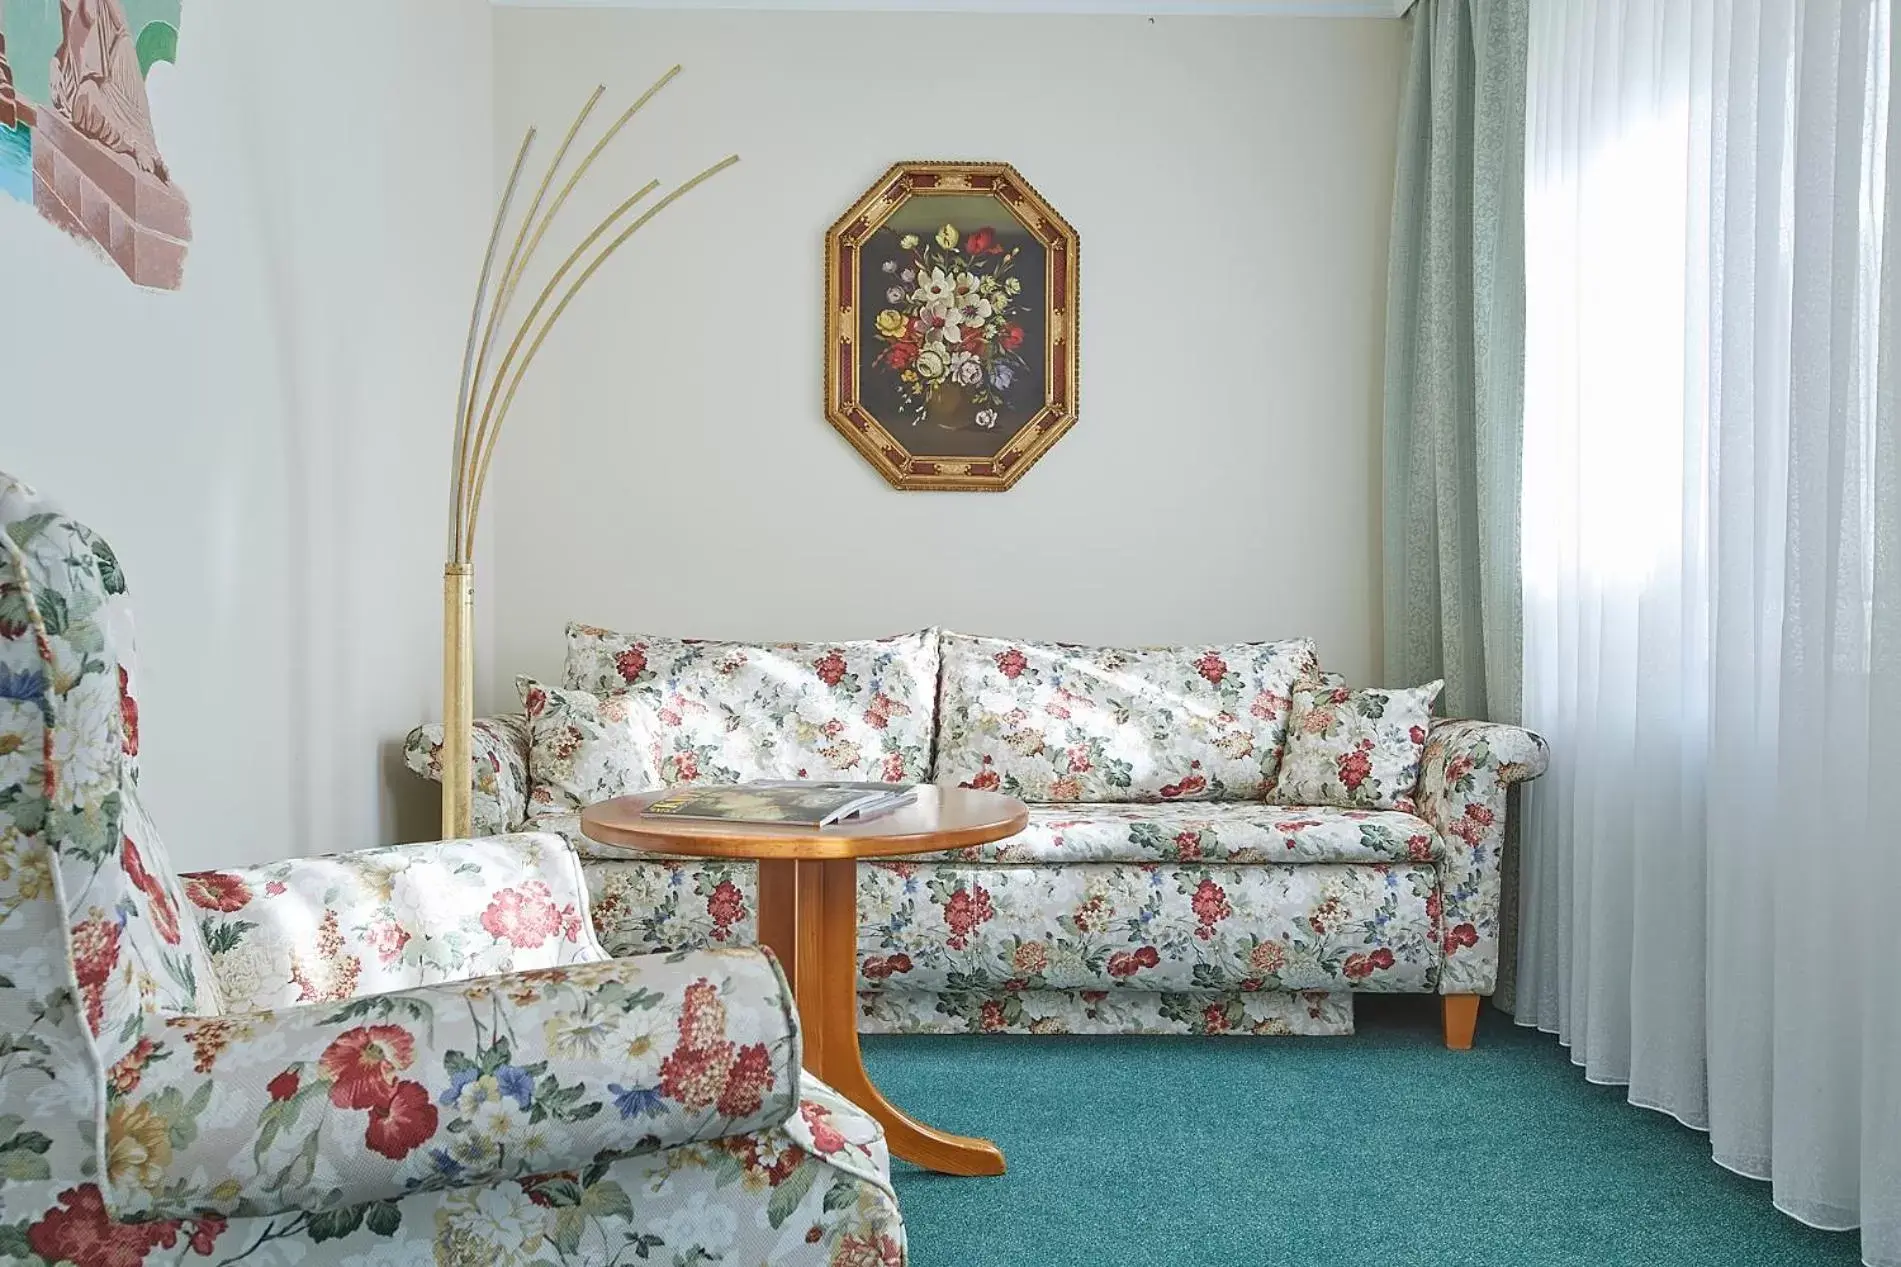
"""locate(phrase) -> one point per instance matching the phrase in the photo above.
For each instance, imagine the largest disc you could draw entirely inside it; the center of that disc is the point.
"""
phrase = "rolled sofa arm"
(1468, 768)
(498, 769)
(391, 918)
(322, 1107)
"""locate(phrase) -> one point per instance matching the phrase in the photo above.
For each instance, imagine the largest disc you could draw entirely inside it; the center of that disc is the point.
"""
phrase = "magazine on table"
(802, 804)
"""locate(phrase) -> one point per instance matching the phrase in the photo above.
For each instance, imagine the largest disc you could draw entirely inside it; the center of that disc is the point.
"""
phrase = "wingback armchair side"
(395, 1051)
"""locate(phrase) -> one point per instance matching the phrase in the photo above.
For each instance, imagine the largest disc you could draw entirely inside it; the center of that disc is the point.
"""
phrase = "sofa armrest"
(498, 769)
(1468, 768)
(340, 927)
(324, 1107)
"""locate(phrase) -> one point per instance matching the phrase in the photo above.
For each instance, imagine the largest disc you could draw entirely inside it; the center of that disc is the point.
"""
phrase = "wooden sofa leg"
(1462, 1019)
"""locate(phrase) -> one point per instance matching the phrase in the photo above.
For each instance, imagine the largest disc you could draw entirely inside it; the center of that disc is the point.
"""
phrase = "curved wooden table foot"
(808, 914)
(908, 1138)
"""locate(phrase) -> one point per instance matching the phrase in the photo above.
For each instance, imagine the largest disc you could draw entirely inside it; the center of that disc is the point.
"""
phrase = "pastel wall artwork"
(76, 134)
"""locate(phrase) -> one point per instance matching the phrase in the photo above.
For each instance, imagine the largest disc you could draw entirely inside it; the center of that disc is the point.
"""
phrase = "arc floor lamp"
(483, 401)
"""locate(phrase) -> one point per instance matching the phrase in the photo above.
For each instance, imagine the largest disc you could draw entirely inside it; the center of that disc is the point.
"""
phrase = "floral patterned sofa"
(410, 1054)
(1162, 885)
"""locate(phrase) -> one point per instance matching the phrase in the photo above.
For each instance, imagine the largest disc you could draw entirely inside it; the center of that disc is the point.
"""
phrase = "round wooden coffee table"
(808, 914)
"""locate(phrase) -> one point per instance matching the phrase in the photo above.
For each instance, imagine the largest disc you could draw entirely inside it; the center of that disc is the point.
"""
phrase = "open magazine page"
(793, 803)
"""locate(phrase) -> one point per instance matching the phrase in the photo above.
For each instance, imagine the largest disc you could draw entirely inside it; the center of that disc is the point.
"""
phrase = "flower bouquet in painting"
(950, 339)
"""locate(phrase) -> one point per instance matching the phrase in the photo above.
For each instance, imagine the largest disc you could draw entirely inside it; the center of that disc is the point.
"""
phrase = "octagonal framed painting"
(950, 325)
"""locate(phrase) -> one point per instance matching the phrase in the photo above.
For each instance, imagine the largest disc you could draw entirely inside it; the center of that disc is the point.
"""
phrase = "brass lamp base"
(458, 695)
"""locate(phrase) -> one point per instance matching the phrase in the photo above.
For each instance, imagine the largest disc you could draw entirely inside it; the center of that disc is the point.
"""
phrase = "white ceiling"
(1141, 8)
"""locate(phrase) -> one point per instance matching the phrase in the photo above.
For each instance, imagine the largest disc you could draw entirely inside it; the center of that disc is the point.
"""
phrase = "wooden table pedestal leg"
(808, 914)
(778, 913)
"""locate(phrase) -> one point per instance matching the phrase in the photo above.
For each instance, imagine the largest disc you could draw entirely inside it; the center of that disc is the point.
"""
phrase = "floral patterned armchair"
(409, 1053)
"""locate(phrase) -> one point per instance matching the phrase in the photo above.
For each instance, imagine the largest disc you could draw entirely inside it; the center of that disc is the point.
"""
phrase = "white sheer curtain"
(1711, 874)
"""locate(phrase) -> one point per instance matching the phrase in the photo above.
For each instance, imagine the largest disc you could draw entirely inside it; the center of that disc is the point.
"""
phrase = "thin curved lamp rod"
(488, 450)
(470, 440)
(491, 421)
(465, 392)
(580, 170)
(517, 257)
(511, 273)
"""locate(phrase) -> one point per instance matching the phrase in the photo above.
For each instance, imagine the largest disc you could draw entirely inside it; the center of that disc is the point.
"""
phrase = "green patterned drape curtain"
(1455, 377)
(1455, 359)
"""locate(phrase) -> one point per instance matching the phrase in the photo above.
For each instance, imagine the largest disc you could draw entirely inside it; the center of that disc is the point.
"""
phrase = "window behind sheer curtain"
(1712, 579)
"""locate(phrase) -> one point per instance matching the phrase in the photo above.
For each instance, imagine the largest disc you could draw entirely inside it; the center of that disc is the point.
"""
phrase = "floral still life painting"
(951, 326)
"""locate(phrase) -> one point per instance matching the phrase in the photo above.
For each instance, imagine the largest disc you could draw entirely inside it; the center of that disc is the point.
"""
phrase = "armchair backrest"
(85, 872)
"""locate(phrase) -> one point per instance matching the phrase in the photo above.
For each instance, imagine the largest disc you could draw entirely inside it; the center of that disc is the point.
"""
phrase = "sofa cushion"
(1237, 834)
(644, 905)
(582, 748)
(1359, 749)
(970, 926)
(566, 823)
(1049, 722)
(728, 712)
(1203, 831)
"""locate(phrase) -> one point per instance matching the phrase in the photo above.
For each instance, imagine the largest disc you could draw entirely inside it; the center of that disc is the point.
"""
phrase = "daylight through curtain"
(1712, 562)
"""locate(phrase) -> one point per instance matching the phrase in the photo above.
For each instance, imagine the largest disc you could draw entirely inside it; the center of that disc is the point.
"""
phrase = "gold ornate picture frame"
(950, 326)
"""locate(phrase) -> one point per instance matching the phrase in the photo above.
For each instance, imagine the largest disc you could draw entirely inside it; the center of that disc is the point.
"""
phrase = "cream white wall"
(266, 447)
(670, 469)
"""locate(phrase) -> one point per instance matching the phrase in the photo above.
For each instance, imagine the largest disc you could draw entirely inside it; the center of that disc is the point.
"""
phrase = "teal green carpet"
(1383, 1150)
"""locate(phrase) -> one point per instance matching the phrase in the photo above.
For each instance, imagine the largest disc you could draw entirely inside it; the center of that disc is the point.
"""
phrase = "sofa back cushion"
(728, 712)
(582, 748)
(1357, 749)
(1049, 722)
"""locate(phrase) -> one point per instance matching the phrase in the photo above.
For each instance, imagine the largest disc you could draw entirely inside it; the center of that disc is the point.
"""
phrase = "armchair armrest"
(498, 769)
(322, 1107)
(339, 927)
(1468, 768)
